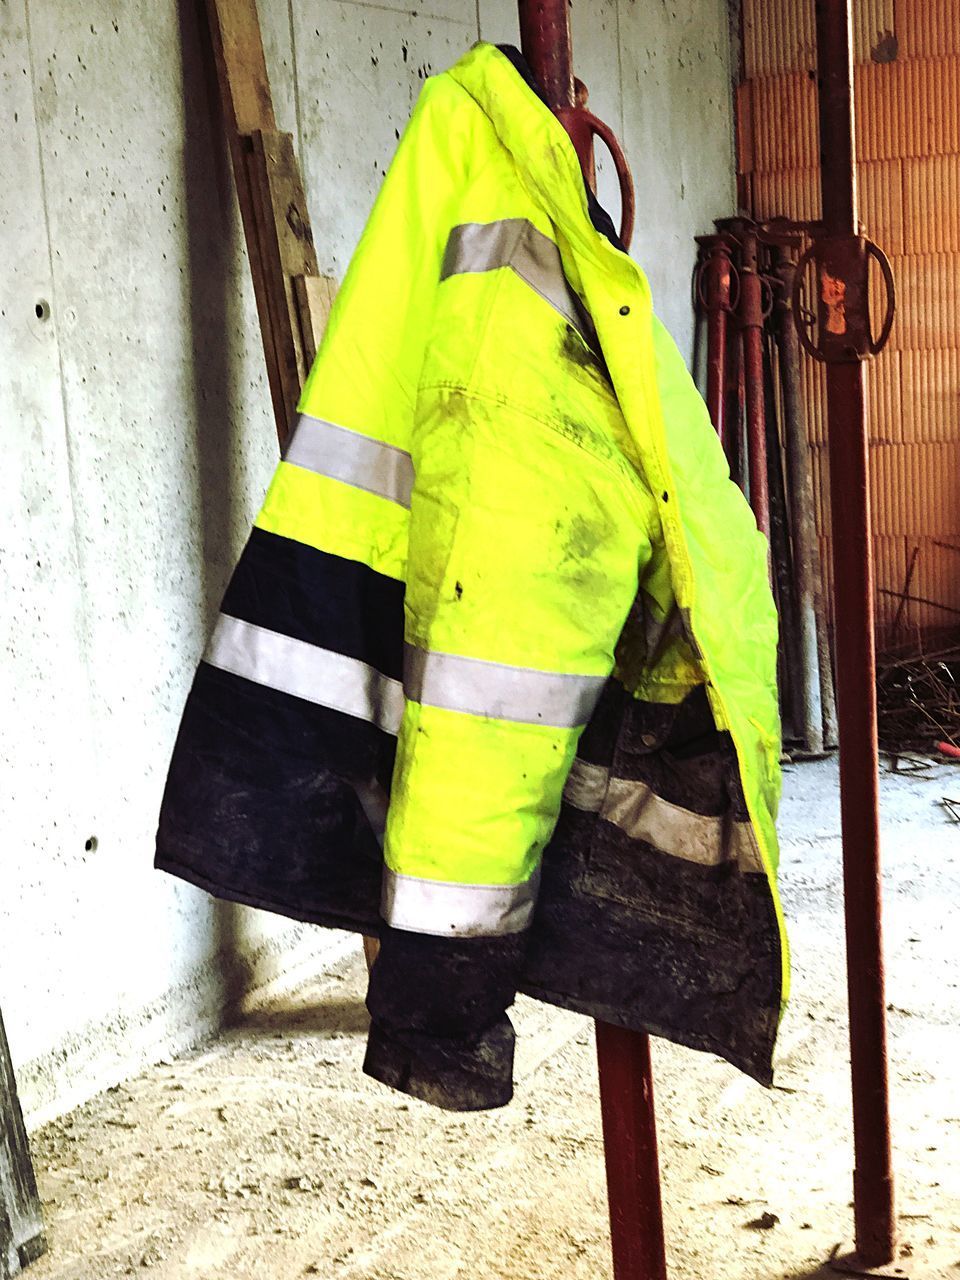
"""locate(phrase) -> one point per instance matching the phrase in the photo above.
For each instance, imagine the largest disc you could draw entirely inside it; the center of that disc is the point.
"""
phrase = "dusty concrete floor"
(267, 1154)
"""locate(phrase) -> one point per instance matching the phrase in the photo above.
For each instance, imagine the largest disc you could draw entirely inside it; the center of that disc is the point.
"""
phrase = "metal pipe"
(781, 555)
(547, 47)
(626, 1078)
(856, 675)
(735, 408)
(630, 1150)
(714, 293)
(751, 317)
(806, 559)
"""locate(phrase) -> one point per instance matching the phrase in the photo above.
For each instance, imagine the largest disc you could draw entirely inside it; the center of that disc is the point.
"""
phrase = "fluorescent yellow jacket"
(495, 677)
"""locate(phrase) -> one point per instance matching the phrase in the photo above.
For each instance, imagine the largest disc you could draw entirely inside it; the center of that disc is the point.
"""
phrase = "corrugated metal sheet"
(928, 28)
(931, 204)
(931, 396)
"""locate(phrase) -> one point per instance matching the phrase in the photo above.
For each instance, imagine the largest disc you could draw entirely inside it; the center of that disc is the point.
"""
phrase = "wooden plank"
(273, 206)
(21, 1223)
(314, 296)
(287, 245)
(241, 65)
(247, 104)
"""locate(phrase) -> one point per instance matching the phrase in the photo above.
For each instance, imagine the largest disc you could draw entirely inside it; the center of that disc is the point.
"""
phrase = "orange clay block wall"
(907, 94)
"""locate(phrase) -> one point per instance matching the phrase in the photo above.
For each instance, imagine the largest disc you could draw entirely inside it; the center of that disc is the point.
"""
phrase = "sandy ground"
(267, 1153)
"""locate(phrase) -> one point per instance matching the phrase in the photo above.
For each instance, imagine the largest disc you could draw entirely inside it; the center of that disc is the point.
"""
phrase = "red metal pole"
(546, 44)
(853, 575)
(630, 1147)
(547, 47)
(751, 323)
(714, 294)
(626, 1078)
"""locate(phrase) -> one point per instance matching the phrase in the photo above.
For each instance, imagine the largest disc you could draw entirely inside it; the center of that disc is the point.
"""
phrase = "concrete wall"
(137, 440)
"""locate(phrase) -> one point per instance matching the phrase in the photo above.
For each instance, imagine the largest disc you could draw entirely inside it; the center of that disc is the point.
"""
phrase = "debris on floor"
(268, 1154)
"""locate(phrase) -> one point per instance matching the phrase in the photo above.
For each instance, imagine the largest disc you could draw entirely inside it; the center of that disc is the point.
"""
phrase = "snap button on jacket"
(495, 676)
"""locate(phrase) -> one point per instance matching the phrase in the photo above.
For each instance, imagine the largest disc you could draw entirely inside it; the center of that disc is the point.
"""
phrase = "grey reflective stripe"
(317, 675)
(479, 688)
(641, 814)
(352, 458)
(586, 786)
(516, 243)
(374, 802)
(449, 910)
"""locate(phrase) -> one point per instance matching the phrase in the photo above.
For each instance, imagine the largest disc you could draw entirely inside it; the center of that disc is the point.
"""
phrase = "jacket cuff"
(452, 1074)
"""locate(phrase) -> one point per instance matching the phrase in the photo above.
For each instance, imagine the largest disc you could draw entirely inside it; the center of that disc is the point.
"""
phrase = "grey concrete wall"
(137, 440)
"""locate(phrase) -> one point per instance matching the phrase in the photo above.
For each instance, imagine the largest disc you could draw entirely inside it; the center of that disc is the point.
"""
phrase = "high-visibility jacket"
(495, 677)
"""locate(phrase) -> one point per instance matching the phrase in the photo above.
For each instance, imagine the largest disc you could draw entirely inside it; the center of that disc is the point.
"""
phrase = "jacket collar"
(540, 147)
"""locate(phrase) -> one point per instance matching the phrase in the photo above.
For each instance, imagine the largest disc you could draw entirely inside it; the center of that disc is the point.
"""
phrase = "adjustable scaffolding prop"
(623, 1057)
(743, 287)
(844, 340)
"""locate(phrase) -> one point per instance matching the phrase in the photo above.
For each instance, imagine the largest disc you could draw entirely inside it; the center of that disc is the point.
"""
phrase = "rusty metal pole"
(623, 1057)
(714, 293)
(806, 559)
(841, 286)
(630, 1149)
(751, 322)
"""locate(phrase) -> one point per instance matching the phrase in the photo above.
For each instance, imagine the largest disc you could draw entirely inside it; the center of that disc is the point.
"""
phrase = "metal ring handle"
(874, 251)
(627, 199)
(799, 323)
(699, 294)
(767, 284)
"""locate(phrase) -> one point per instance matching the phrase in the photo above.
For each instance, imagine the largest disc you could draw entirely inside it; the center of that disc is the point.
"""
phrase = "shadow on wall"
(212, 229)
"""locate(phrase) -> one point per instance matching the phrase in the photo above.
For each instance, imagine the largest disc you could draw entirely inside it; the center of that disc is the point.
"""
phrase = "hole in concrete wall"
(42, 309)
(91, 844)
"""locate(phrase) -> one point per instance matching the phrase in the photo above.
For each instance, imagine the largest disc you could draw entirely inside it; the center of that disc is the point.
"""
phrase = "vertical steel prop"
(752, 318)
(734, 327)
(623, 1057)
(815, 695)
(844, 339)
(717, 287)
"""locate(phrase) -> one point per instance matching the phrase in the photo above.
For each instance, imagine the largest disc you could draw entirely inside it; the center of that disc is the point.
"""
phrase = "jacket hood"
(541, 150)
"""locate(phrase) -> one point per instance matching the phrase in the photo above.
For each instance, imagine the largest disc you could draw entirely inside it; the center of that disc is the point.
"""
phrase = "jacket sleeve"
(526, 538)
(294, 707)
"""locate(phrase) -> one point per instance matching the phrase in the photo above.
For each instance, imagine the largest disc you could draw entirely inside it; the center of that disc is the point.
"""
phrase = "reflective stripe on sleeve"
(586, 786)
(475, 247)
(478, 688)
(449, 910)
(640, 813)
(352, 458)
(306, 671)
